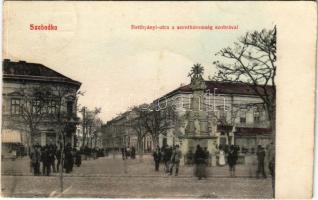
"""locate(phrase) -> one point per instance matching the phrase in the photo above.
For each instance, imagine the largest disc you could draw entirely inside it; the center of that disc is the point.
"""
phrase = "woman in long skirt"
(221, 158)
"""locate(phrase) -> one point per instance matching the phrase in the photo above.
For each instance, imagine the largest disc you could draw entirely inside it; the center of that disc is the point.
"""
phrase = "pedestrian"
(190, 157)
(271, 164)
(46, 162)
(68, 158)
(133, 152)
(31, 154)
(58, 158)
(175, 160)
(51, 160)
(199, 160)
(89, 153)
(86, 152)
(123, 153)
(52, 157)
(221, 157)
(127, 152)
(78, 158)
(231, 160)
(166, 158)
(94, 153)
(43, 159)
(207, 156)
(260, 158)
(157, 157)
(35, 159)
(250, 163)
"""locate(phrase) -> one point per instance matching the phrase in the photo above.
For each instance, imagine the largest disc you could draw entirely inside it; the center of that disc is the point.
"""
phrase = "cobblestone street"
(113, 177)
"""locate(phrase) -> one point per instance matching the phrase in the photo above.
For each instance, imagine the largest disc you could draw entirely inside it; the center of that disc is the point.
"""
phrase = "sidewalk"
(112, 167)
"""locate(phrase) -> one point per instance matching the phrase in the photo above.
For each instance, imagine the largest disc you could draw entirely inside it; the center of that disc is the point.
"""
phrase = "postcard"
(104, 99)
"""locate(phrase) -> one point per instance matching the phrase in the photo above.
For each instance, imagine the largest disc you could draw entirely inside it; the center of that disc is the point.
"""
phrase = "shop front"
(12, 146)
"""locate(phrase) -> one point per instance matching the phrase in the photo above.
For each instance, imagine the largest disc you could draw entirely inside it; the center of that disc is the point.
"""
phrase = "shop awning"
(10, 136)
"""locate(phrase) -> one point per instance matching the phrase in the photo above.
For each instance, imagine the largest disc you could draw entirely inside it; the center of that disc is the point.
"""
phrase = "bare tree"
(252, 61)
(89, 123)
(158, 119)
(137, 123)
(33, 108)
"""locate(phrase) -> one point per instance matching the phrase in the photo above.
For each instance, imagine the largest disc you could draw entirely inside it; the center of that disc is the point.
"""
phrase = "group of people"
(128, 152)
(48, 158)
(170, 156)
(92, 153)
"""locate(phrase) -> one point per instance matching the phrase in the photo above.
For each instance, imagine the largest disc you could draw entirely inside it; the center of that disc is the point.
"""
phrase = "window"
(52, 107)
(36, 106)
(69, 108)
(15, 106)
(256, 116)
(243, 116)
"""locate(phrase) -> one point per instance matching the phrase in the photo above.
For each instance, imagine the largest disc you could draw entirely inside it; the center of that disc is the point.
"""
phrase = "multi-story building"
(118, 133)
(236, 114)
(25, 104)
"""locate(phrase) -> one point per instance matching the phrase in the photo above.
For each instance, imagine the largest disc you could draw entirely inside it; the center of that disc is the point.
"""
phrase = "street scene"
(121, 115)
(108, 177)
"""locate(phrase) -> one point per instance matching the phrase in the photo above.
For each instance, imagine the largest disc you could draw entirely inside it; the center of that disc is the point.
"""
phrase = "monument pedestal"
(188, 143)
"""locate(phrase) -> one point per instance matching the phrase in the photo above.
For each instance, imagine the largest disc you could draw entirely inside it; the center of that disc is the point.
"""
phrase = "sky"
(119, 67)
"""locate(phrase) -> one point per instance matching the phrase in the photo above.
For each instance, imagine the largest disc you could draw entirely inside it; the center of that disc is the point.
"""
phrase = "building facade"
(36, 96)
(119, 132)
(236, 115)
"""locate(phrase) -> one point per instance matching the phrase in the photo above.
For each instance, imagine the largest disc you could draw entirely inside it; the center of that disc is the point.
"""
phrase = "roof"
(225, 88)
(22, 70)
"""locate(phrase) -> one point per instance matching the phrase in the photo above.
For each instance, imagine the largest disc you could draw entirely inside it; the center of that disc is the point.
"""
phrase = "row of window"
(36, 107)
(256, 116)
(242, 116)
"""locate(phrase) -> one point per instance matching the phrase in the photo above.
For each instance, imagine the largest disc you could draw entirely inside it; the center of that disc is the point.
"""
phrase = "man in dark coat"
(51, 157)
(123, 153)
(46, 161)
(133, 152)
(36, 159)
(68, 159)
(260, 159)
(167, 157)
(231, 159)
(50, 160)
(78, 158)
(44, 158)
(200, 162)
(157, 157)
(175, 160)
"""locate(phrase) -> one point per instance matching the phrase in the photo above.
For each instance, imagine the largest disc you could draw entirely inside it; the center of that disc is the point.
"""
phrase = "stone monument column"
(197, 131)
